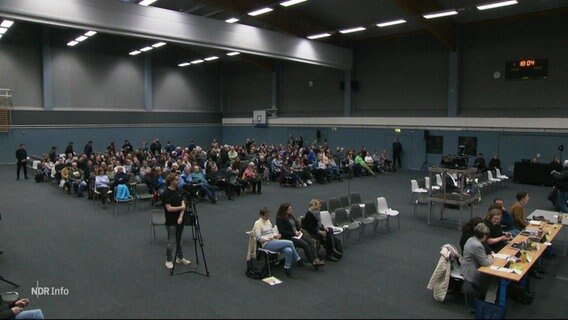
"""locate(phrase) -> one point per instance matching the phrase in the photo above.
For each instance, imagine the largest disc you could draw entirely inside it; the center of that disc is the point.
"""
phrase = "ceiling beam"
(444, 29)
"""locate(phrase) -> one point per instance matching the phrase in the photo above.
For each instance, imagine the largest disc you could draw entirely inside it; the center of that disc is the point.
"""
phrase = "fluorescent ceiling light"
(185, 64)
(159, 44)
(440, 14)
(72, 43)
(496, 5)
(291, 2)
(390, 23)
(211, 58)
(3, 30)
(234, 53)
(231, 20)
(1, 36)
(196, 61)
(352, 30)
(90, 33)
(318, 36)
(81, 38)
(146, 49)
(135, 52)
(260, 11)
(146, 2)
(7, 23)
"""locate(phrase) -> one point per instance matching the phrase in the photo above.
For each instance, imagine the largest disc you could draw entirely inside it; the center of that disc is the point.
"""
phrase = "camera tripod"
(191, 213)
(7, 281)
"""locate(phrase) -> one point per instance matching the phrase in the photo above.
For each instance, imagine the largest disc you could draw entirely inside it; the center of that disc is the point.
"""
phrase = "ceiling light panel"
(6, 23)
(135, 52)
(159, 44)
(260, 11)
(494, 5)
(234, 53)
(90, 33)
(440, 14)
(3, 30)
(291, 2)
(231, 20)
(390, 23)
(211, 58)
(146, 2)
(345, 31)
(319, 36)
(196, 61)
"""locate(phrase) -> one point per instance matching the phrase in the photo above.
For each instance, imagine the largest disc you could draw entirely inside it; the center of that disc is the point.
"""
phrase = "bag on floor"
(487, 310)
(256, 269)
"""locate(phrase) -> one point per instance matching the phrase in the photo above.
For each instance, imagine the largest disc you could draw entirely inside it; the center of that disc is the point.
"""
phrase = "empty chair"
(327, 222)
(342, 220)
(122, 195)
(370, 211)
(416, 191)
(323, 205)
(344, 202)
(141, 192)
(491, 178)
(157, 218)
(355, 198)
(427, 184)
(383, 207)
(498, 175)
(439, 182)
(356, 214)
(333, 203)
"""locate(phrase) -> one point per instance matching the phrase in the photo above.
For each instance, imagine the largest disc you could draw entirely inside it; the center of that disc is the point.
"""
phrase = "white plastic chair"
(427, 184)
(416, 190)
(383, 207)
(439, 180)
(498, 175)
(491, 178)
(327, 222)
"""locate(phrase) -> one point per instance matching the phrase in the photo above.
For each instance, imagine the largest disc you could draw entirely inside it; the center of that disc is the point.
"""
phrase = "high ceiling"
(303, 19)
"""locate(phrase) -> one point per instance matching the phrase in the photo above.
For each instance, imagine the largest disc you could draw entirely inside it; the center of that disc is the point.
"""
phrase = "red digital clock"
(526, 69)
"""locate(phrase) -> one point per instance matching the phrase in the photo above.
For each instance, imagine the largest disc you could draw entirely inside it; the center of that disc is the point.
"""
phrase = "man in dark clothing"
(52, 154)
(479, 163)
(22, 157)
(88, 149)
(69, 149)
(494, 163)
(127, 147)
(561, 183)
(396, 153)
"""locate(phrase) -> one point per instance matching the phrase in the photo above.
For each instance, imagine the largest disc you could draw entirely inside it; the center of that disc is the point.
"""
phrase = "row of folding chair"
(345, 214)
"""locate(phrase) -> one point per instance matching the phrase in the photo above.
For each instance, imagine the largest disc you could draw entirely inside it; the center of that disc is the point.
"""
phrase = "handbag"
(487, 310)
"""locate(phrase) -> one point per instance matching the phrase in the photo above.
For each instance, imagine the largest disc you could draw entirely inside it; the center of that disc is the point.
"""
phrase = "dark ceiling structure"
(304, 19)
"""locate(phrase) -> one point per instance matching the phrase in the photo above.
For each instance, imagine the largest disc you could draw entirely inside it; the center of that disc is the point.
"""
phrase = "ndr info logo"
(49, 291)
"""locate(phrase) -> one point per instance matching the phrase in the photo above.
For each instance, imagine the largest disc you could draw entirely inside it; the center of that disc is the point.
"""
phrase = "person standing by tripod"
(174, 208)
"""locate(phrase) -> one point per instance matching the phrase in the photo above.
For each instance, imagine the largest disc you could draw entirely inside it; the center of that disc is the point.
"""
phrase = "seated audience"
(251, 176)
(77, 180)
(507, 222)
(270, 239)
(289, 228)
(197, 177)
(312, 224)
(102, 184)
(467, 232)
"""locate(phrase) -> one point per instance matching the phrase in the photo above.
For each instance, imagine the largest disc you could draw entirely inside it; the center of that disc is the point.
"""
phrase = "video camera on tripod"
(191, 192)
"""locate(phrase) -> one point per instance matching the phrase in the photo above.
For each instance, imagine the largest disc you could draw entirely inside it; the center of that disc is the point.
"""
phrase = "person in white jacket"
(269, 238)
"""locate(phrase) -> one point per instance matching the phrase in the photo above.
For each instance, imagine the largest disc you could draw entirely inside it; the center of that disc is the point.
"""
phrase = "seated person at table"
(467, 232)
(270, 239)
(497, 239)
(475, 256)
(289, 228)
(507, 222)
(312, 225)
(517, 210)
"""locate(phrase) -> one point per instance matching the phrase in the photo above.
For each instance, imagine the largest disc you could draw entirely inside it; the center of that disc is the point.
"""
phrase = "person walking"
(22, 158)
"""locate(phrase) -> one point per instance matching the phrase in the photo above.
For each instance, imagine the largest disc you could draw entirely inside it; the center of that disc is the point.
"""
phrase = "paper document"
(272, 281)
(535, 222)
(501, 256)
(298, 236)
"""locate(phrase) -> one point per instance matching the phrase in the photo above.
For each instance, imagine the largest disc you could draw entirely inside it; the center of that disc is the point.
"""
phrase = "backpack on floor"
(256, 269)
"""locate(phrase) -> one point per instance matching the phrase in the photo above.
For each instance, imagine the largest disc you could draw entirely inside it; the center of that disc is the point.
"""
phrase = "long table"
(524, 266)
